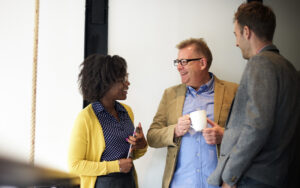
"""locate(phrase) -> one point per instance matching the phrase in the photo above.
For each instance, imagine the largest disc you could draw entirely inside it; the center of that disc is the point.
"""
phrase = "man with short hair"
(256, 146)
(191, 157)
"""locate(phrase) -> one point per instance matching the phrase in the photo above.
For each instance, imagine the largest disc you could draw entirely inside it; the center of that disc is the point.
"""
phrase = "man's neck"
(202, 81)
(257, 45)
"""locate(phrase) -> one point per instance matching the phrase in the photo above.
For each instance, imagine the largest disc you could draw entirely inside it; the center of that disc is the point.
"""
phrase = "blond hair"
(201, 48)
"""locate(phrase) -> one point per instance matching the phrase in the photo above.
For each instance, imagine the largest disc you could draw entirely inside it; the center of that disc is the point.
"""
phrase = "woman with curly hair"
(103, 130)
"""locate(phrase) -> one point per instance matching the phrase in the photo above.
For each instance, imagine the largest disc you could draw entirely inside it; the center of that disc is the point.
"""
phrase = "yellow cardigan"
(87, 145)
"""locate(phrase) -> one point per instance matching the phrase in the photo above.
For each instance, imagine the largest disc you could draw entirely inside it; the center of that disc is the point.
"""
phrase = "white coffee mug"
(198, 120)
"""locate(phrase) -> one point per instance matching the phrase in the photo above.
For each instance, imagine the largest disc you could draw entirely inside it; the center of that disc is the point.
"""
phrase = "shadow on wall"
(294, 168)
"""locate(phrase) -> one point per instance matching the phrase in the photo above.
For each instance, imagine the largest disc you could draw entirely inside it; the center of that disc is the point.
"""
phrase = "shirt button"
(198, 170)
(198, 154)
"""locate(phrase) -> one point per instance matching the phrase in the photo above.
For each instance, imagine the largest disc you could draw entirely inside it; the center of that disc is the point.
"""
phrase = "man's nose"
(179, 66)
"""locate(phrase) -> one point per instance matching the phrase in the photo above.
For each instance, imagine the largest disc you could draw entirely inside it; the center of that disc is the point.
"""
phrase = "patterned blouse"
(115, 132)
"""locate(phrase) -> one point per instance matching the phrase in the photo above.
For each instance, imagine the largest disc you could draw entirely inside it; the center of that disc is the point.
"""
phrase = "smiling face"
(118, 90)
(241, 40)
(192, 73)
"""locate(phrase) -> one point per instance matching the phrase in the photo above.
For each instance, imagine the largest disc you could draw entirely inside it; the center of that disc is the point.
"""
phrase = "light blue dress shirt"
(196, 159)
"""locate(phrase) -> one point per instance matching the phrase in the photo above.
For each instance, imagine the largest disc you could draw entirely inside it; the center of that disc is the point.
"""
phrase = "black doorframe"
(96, 29)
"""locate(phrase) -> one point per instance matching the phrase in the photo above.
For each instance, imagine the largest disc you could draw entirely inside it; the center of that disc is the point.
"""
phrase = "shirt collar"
(259, 50)
(100, 108)
(208, 86)
(119, 107)
(269, 47)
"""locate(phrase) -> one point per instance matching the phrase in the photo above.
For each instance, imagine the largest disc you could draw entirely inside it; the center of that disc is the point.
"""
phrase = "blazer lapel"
(229, 113)
(219, 93)
(180, 100)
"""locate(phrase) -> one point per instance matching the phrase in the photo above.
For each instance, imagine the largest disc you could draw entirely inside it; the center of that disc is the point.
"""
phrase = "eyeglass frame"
(184, 62)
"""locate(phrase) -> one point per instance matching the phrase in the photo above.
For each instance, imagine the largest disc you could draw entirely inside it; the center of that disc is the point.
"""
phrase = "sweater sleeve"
(81, 162)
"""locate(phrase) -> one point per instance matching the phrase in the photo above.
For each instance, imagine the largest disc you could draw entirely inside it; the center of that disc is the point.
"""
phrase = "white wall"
(143, 32)
(16, 44)
(58, 101)
(61, 41)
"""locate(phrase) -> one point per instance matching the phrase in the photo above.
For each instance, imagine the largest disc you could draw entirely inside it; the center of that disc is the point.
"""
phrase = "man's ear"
(203, 63)
(246, 32)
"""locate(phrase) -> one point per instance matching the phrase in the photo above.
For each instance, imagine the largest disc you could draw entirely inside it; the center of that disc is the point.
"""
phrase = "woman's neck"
(109, 106)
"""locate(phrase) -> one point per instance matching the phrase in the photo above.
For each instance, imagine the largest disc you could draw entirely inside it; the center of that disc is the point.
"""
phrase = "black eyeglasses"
(184, 62)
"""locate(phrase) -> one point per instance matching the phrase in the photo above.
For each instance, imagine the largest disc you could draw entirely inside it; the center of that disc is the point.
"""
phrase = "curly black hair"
(98, 74)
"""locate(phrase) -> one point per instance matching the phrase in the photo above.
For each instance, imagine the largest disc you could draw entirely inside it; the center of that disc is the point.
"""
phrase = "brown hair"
(201, 47)
(259, 18)
(98, 74)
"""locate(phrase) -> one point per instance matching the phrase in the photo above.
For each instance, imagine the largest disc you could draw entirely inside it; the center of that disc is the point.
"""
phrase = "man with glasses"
(192, 156)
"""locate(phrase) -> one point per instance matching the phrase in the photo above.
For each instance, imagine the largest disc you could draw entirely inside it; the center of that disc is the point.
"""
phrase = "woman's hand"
(138, 141)
(125, 165)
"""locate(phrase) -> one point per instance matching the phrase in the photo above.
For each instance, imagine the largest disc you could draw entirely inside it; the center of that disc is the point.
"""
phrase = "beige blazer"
(161, 132)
